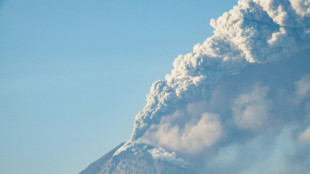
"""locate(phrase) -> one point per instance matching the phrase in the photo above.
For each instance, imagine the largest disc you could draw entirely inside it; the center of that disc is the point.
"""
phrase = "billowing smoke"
(240, 102)
(179, 133)
(254, 31)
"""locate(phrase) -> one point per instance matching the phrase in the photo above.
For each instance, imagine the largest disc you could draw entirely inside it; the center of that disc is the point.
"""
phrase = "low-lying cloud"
(197, 134)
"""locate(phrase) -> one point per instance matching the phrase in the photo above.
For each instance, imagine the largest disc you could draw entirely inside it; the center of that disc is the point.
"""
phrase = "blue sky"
(73, 74)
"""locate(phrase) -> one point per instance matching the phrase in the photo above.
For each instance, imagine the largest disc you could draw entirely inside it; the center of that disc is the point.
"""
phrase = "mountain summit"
(139, 158)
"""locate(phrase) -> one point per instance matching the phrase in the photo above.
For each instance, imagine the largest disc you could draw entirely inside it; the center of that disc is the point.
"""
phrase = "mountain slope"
(138, 158)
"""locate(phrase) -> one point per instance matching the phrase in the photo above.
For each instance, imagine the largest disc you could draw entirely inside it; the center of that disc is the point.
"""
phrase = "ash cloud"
(240, 102)
(254, 31)
(190, 136)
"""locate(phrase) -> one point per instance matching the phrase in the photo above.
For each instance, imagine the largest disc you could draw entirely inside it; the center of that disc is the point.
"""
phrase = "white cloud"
(194, 136)
(162, 154)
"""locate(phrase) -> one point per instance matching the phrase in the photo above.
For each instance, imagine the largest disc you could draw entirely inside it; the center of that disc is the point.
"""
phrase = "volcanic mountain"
(239, 103)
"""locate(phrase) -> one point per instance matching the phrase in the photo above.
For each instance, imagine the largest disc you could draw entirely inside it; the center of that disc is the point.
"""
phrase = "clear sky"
(73, 74)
